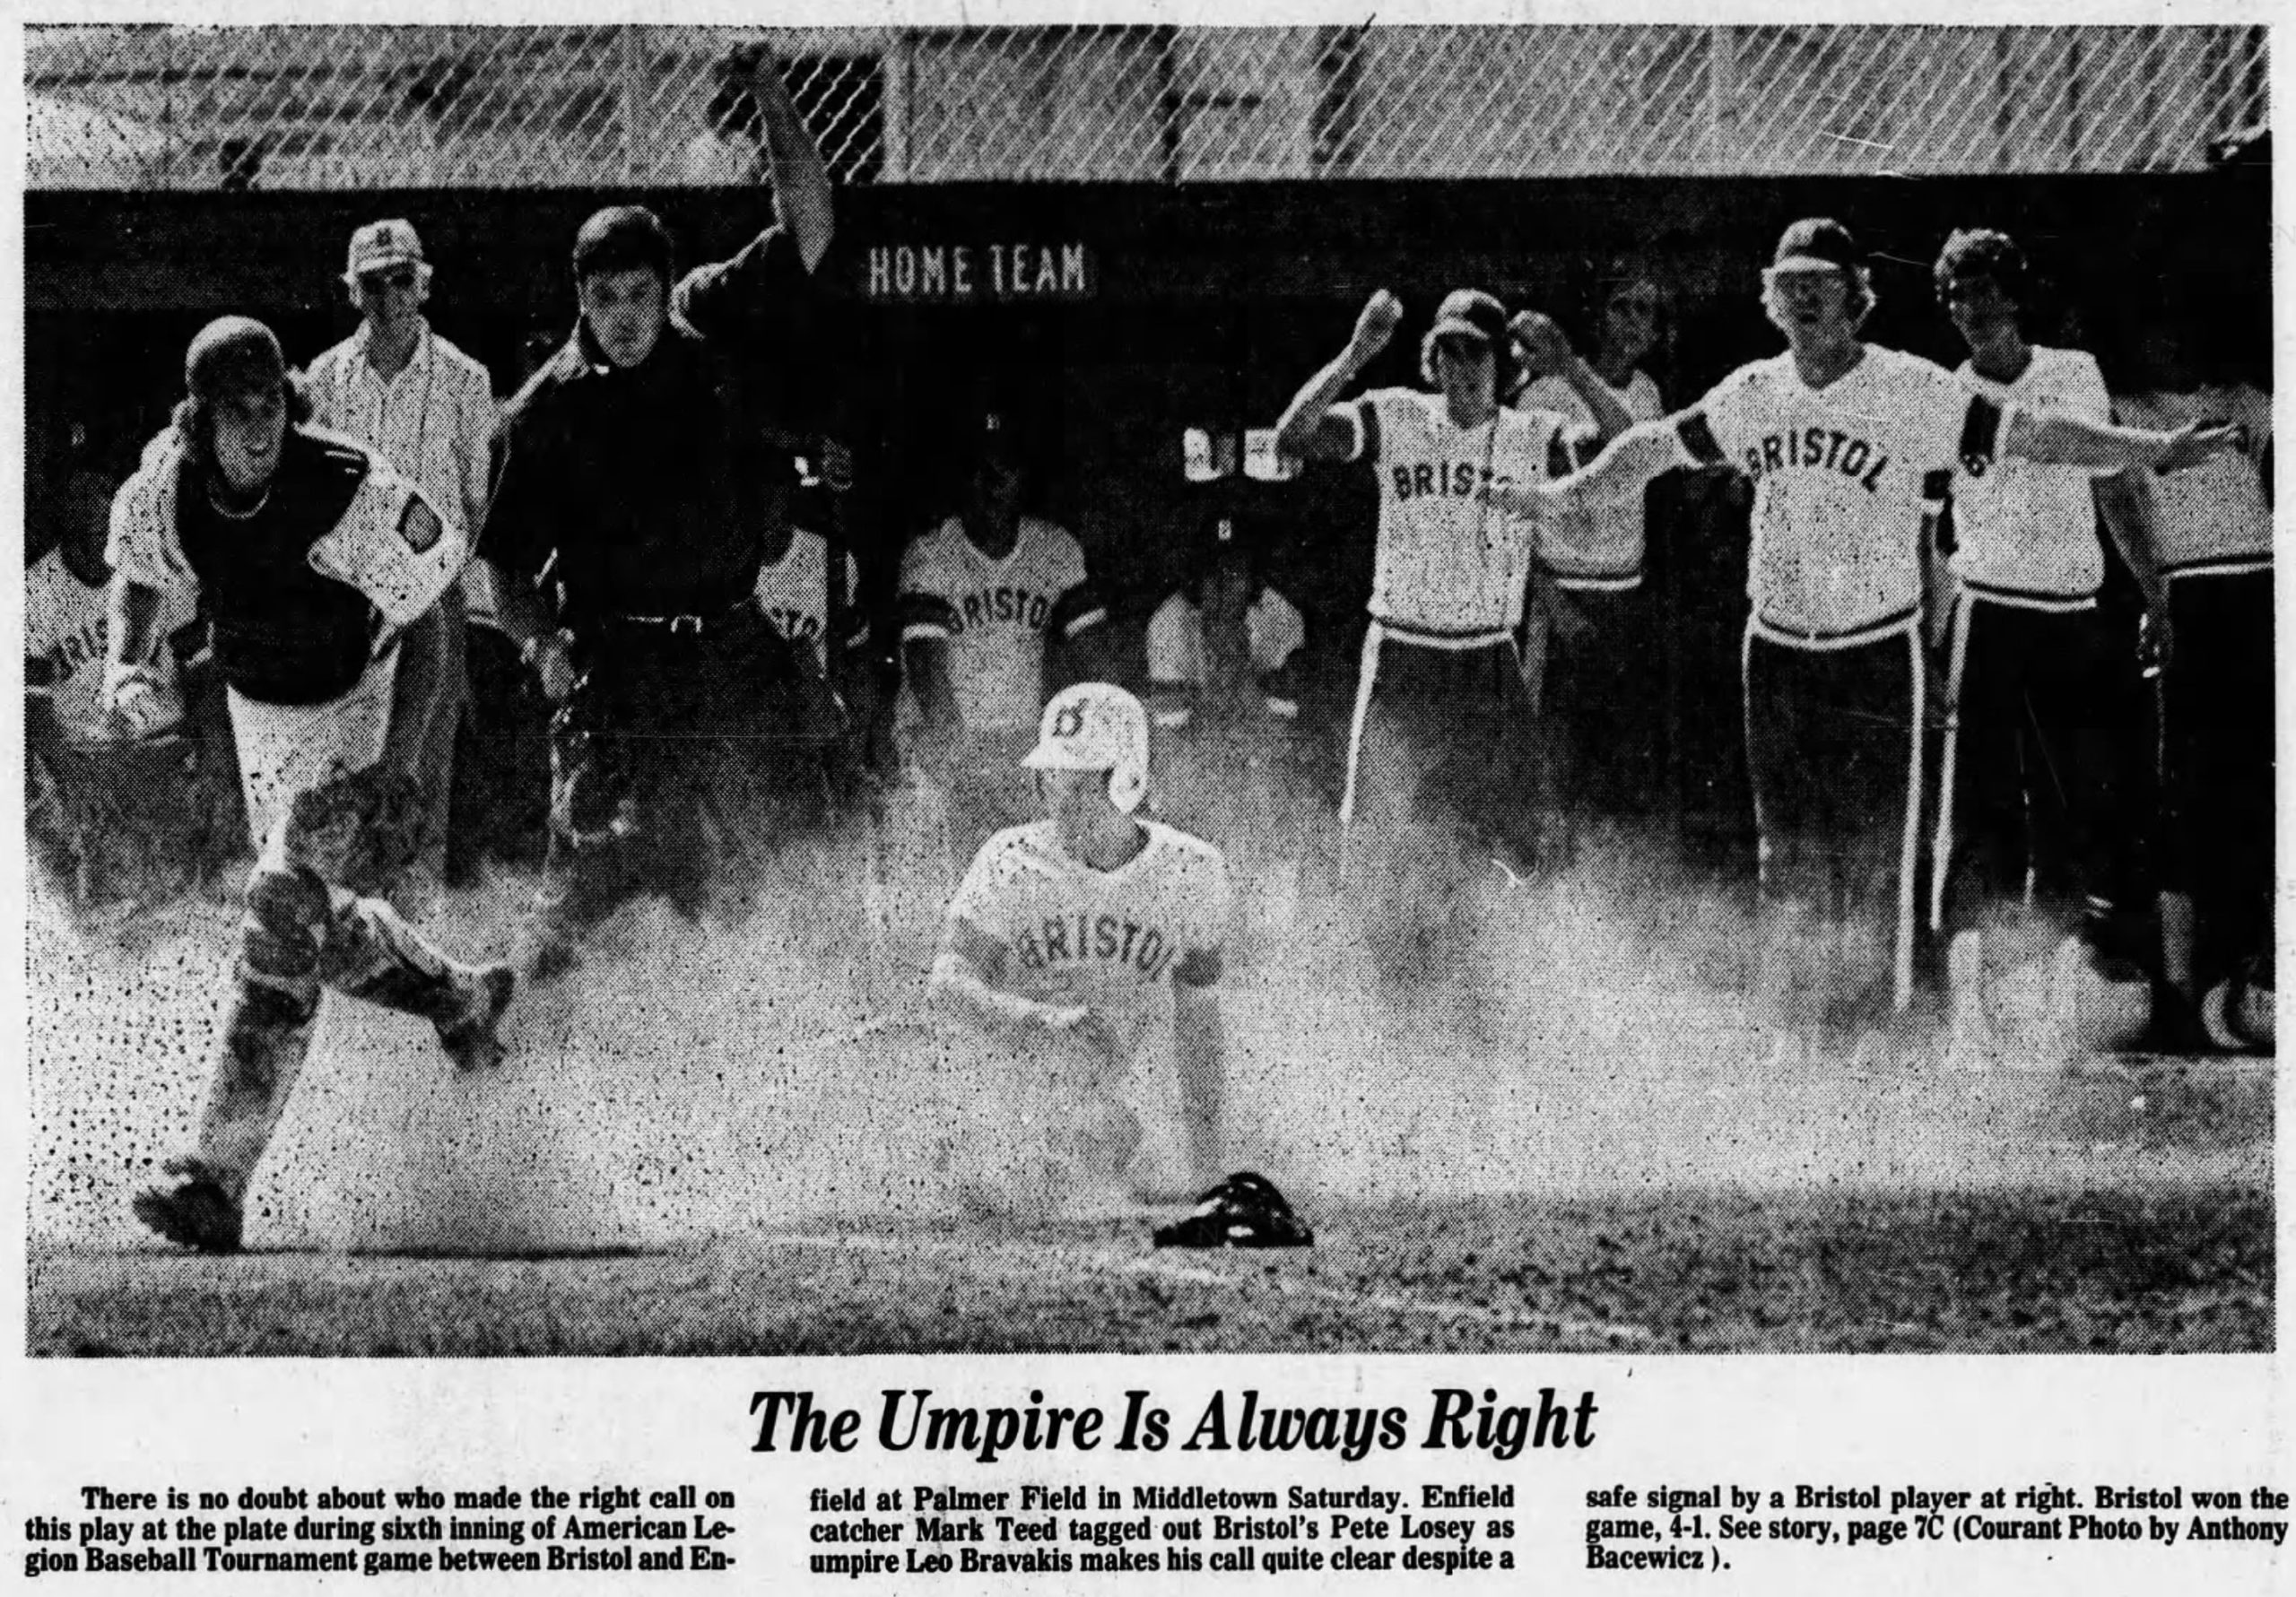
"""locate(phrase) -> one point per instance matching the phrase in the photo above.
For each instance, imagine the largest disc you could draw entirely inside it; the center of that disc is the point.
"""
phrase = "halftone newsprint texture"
(1560, 1038)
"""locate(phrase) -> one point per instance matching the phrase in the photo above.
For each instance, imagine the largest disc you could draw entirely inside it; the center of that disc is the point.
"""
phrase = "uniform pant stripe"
(1367, 676)
(1910, 851)
(1959, 626)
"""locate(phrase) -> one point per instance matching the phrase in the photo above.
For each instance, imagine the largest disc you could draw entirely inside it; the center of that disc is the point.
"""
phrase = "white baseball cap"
(1096, 726)
(392, 242)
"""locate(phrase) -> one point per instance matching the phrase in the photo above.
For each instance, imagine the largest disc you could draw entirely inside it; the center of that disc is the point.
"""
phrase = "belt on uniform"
(689, 624)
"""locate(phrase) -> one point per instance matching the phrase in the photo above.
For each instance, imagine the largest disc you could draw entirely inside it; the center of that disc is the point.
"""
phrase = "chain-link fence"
(349, 106)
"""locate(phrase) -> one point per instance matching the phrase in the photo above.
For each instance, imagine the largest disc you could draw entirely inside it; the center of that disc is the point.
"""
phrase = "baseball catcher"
(312, 557)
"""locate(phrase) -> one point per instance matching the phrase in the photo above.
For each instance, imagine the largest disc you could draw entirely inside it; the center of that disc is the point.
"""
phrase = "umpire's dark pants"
(1441, 782)
(683, 755)
(2216, 762)
(1833, 746)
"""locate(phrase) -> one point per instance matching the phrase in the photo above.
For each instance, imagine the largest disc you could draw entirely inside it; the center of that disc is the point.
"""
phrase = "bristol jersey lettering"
(1082, 937)
(1451, 479)
(1008, 604)
(68, 655)
(1818, 449)
(798, 626)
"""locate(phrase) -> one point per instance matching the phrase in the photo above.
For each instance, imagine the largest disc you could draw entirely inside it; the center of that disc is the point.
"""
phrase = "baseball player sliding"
(312, 556)
(1440, 755)
(1089, 945)
(1843, 440)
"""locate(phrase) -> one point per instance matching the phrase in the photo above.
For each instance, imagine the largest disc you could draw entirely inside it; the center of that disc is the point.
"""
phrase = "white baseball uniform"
(1622, 541)
(1114, 942)
(1842, 476)
(794, 592)
(995, 616)
(2212, 519)
(65, 625)
(2025, 652)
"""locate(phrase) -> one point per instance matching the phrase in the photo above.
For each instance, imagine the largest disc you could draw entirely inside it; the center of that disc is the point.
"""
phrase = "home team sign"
(961, 274)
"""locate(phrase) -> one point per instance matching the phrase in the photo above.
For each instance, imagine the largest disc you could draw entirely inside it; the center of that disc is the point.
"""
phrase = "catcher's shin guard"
(385, 961)
(267, 1038)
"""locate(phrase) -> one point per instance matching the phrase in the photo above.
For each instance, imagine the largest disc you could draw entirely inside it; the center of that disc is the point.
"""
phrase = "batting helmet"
(1096, 726)
(232, 355)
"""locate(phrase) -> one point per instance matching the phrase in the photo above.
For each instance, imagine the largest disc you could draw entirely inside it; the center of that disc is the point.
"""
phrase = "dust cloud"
(692, 1080)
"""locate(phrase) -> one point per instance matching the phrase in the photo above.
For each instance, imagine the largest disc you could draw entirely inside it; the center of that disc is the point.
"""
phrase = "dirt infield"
(655, 1172)
(2015, 1270)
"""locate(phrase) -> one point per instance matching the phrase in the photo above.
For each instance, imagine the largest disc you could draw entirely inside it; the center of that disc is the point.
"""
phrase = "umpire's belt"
(745, 614)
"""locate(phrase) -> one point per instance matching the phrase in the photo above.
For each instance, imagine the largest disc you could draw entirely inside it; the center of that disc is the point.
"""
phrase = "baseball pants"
(678, 762)
(1442, 779)
(2032, 778)
(2216, 763)
(1834, 748)
(303, 930)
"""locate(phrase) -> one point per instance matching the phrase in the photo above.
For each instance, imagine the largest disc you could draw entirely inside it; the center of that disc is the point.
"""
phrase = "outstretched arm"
(2053, 438)
(1311, 429)
(2125, 505)
(802, 199)
(1619, 471)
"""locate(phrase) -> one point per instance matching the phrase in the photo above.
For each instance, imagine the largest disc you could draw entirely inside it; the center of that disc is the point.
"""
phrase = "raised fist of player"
(1544, 347)
(1375, 324)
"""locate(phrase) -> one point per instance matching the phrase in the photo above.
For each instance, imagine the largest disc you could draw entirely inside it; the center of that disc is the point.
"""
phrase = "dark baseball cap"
(233, 355)
(1817, 244)
(623, 239)
(1470, 313)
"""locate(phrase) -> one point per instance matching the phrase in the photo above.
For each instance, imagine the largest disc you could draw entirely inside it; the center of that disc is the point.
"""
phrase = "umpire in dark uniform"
(633, 499)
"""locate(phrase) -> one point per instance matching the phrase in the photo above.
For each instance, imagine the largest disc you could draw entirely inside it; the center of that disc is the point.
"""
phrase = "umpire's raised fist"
(1376, 323)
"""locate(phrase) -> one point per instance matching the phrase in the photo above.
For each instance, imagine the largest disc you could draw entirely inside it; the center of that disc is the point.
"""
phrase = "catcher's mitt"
(1245, 1210)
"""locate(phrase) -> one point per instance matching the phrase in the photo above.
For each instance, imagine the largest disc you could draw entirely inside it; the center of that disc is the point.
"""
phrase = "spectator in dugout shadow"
(2214, 984)
(1226, 710)
(632, 504)
(995, 610)
(1580, 647)
(500, 808)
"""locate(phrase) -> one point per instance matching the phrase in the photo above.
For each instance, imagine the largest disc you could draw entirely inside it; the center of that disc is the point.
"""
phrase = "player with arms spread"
(1440, 758)
(1082, 940)
(313, 556)
(1843, 440)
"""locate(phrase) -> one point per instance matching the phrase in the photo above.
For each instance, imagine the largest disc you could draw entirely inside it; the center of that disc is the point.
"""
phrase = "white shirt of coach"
(434, 421)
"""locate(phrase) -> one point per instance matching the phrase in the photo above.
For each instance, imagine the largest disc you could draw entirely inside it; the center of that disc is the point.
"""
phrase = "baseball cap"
(1470, 313)
(1095, 726)
(382, 244)
(623, 239)
(1817, 244)
(233, 354)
